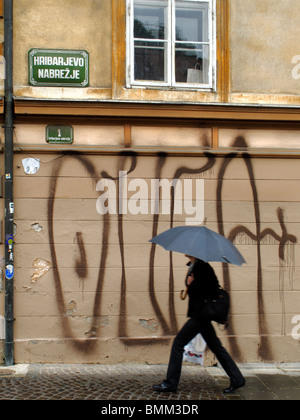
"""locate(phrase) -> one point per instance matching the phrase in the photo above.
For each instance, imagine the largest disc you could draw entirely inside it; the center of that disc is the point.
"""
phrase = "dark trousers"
(185, 335)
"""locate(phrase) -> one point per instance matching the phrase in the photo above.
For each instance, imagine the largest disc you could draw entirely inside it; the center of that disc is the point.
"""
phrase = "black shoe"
(163, 387)
(233, 388)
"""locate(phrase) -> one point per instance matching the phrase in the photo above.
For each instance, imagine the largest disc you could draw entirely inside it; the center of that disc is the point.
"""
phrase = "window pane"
(192, 65)
(191, 22)
(150, 25)
(150, 21)
(192, 42)
(149, 61)
(172, 42)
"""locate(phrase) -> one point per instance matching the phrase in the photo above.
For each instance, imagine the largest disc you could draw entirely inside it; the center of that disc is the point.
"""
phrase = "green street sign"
(58, 68)
(59, 134)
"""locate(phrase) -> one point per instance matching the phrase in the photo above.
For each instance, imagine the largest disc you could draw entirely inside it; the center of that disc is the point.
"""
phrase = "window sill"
(172, 88)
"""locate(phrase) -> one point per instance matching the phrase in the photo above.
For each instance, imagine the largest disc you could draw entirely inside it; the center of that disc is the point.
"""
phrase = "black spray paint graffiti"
(172, 328)
(128, 161)
(264, 350)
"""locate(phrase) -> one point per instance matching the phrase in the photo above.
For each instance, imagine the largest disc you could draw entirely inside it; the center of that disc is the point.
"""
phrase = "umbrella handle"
(183, 294)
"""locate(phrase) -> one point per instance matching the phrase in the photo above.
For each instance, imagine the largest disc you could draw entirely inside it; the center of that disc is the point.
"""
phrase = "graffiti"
(172, 328)
(81, 262)
(264, 350)
(167, 320)
(82, 345)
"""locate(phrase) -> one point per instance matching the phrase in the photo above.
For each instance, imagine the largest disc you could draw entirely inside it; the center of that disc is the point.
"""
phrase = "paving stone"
(133, 382)
(101, 382)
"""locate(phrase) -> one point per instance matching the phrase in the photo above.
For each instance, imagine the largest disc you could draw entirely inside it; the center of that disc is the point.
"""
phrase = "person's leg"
(185, 335)
(236, 378)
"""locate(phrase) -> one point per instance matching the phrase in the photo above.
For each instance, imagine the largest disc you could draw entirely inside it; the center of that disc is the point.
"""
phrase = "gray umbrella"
(199, 242)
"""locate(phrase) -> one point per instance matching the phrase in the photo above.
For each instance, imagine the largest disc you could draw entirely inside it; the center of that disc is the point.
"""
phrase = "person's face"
(192, 259)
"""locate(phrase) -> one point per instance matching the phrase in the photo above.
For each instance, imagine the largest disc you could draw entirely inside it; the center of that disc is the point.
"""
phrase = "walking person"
(202, 285)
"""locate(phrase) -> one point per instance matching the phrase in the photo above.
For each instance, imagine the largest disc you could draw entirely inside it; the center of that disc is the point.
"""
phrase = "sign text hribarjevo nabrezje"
(58, 68)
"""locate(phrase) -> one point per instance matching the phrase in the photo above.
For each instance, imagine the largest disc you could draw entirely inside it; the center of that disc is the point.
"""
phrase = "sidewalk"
(264, 381)
(134, 382)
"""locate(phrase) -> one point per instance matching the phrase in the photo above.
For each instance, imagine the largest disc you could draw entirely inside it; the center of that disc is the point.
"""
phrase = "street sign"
(59, 134)
(58, 68)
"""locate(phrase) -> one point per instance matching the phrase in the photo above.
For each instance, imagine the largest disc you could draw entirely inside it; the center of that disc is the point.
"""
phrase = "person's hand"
(190, 279)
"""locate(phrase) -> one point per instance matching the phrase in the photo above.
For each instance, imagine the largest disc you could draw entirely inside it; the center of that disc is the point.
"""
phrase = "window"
(171, 43)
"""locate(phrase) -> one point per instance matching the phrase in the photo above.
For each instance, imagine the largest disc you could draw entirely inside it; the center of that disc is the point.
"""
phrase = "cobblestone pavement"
(133, 382)
(103, 382)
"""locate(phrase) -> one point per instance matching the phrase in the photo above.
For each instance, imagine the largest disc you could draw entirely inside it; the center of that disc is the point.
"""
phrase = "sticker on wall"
(9, 271)
(31, 165)
(9, 240)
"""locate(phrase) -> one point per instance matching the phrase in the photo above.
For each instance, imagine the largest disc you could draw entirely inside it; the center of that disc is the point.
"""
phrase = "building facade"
(131, 117)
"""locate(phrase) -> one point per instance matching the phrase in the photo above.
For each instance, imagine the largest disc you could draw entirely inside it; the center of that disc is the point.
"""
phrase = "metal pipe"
(9, 203)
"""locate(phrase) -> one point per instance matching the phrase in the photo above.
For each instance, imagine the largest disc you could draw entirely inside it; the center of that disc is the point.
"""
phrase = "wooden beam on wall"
(223, 56)
(127, 135)
(118, 47)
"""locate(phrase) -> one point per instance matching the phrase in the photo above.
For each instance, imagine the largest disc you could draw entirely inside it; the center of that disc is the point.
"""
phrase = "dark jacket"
(205, 286)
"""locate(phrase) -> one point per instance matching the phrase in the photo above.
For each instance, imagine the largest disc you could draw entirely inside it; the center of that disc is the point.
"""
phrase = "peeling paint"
(98, 321)
(90, 333)
(40, 267)
(71, 308)
(37, 227)
(150, 324)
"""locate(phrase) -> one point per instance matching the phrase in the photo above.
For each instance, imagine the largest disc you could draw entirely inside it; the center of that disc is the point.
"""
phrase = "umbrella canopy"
(199, 242)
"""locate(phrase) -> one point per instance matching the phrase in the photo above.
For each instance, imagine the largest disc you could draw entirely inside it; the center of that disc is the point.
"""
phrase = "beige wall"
(88, 289)
(2, 262)
(262, 43)
(71, 24)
